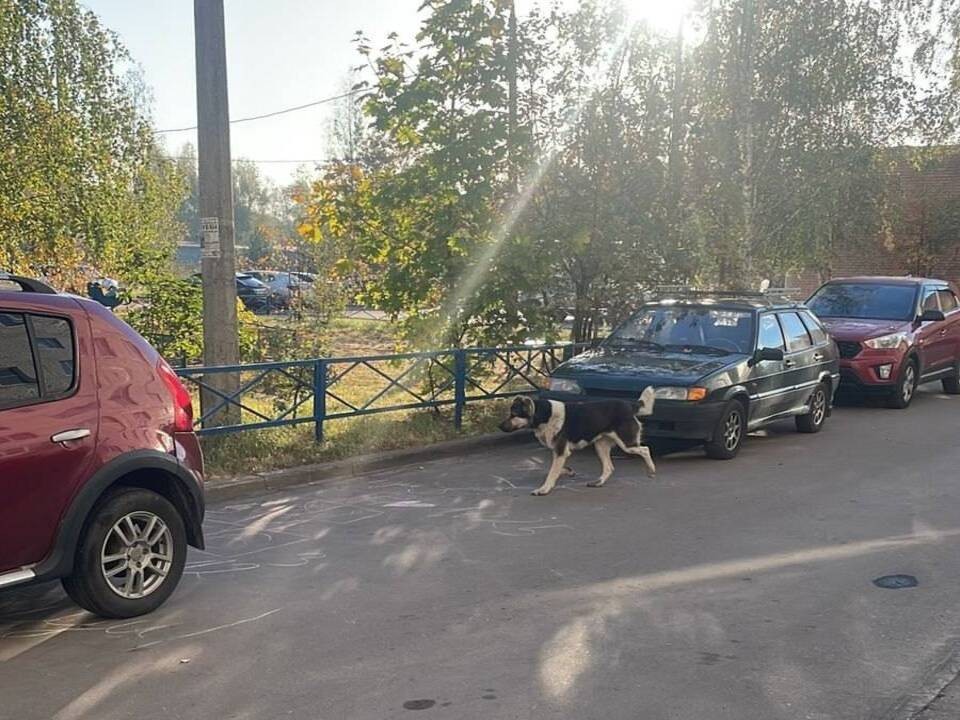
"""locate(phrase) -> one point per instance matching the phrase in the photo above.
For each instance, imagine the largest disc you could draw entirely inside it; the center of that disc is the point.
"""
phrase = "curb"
(274, 480)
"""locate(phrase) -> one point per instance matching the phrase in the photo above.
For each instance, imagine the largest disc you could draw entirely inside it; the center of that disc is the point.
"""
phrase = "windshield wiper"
(637, 342)
(700, 348)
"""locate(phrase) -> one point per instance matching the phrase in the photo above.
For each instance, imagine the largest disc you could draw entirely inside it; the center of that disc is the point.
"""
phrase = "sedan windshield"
(865, 301)
(687, 329)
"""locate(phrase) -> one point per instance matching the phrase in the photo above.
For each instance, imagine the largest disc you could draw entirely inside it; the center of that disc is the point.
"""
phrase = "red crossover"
(894, 333)
(101, 476)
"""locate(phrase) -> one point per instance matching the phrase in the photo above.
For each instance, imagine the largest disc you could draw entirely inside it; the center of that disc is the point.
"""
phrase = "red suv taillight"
(182, 404)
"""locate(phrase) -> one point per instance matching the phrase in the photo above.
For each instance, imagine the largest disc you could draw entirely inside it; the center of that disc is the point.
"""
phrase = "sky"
(280, 53)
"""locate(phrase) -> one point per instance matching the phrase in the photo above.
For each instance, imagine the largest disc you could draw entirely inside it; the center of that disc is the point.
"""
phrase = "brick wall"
(921, 240)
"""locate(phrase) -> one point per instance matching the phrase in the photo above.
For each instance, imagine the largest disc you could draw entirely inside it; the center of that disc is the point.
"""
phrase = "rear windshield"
(866, 301)
(688, 329)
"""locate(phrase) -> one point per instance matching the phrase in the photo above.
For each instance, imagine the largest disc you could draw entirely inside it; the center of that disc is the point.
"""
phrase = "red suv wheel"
(131, 555)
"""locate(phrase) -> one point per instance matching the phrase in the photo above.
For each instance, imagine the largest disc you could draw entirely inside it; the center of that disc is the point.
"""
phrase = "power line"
(322, 101)
(245, 159)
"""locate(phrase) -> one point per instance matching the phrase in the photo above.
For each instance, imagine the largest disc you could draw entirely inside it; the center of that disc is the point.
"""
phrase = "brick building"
(922, 235)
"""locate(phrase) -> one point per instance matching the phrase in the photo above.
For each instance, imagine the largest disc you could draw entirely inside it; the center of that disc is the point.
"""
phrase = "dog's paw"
(569, 472)
(651, 473)
(540, 491)
(595, 483)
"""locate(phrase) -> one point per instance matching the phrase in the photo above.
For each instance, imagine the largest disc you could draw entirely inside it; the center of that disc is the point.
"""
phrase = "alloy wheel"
(137, 555)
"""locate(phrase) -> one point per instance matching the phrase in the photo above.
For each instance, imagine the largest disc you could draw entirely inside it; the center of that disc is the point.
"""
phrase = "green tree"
(790, 104)
(83, 187)
(423, 214)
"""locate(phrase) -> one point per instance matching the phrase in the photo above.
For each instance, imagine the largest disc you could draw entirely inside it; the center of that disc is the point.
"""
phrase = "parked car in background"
(285, 287)
(721, 364)
(101, 475)
(894, 333)
(254, 295)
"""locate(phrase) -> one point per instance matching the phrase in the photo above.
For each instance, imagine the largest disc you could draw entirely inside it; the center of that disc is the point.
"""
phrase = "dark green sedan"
(722, 365)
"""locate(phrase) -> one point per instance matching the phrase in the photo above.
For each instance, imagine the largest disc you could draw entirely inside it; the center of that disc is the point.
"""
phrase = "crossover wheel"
(131, 555)
(906, 387)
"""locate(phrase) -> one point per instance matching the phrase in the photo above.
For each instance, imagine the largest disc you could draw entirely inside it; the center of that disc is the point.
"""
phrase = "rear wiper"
(637, 342)
(700, 348)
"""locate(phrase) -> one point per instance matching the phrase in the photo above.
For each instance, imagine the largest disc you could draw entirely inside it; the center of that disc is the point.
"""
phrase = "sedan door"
(767, 381)
(802, 361)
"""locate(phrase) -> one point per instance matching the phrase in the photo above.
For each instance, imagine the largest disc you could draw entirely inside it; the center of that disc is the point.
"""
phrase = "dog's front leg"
(556, 467)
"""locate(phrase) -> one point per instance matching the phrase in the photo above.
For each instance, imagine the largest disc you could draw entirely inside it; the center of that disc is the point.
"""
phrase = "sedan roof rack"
(26, 284)
(701, 292)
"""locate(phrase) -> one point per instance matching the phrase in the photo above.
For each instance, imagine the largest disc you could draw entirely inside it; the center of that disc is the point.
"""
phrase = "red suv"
(894, 333)
(101, 476)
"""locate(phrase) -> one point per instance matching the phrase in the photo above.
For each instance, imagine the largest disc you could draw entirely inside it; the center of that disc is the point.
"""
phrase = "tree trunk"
(743, 110)
(512, 52)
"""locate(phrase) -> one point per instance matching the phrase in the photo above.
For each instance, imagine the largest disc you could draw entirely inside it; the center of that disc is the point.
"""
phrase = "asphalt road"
(719, 590)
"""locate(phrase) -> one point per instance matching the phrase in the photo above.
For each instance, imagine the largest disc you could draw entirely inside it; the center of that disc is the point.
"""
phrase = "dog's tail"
(645, 402)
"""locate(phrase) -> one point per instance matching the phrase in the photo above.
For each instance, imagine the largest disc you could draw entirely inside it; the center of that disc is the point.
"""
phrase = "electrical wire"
(251, 118)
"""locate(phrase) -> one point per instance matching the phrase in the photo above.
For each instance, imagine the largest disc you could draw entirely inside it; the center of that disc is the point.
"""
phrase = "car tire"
(730, 431)
(951, 384)
(812, 422)
(131, 555)
(906, 387)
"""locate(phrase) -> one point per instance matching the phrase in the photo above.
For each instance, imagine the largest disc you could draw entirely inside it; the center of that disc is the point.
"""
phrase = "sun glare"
(662, 16)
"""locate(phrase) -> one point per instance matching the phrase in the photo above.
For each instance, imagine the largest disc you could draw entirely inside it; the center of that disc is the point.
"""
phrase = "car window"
(814, 327)
(948, 301)
(868, 301)
(930, 300)
(53, 340)
(688, 329)
(18, 375)
(796, 333)
(770, 334)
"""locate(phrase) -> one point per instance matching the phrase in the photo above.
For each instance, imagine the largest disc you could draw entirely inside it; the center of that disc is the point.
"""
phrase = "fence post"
(319, 398)
(459, 386)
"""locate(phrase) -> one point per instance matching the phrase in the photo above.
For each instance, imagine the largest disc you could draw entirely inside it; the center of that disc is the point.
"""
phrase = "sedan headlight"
(692, 394)
(565, 386)
(887, 342)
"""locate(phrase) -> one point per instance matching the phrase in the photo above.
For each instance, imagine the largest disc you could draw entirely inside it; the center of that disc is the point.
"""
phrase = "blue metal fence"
(275, 394)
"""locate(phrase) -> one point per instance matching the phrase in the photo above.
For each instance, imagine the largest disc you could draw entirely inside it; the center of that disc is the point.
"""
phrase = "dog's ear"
(529, 405)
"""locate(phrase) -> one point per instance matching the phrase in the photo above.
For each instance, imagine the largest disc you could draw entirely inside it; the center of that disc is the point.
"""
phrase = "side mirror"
(931, 316)
(767, 354)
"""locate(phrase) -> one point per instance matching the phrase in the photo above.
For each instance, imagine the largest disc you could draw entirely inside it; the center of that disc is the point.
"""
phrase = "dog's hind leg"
(640, 450)
(602, 448)
(569, 471)
(556, 468)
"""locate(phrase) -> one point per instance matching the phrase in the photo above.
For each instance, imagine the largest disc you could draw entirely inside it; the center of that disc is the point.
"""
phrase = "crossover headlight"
(565, 386)
(887, 342)
(692, 394)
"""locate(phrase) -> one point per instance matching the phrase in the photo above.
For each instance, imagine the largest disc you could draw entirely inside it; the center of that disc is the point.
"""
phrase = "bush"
(168, 312)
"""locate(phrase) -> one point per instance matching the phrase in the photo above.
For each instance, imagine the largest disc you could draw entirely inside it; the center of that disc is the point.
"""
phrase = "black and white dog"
(565, 427)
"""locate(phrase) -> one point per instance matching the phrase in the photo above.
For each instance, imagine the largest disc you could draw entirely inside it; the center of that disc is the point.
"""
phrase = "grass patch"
(277, 448)
(355, 336)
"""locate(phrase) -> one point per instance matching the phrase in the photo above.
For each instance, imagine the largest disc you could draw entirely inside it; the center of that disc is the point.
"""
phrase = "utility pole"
(216, 209)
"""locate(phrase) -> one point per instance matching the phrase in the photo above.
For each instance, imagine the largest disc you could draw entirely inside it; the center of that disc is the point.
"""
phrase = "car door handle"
(788, 363)
(817, 356)
(68, 435)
